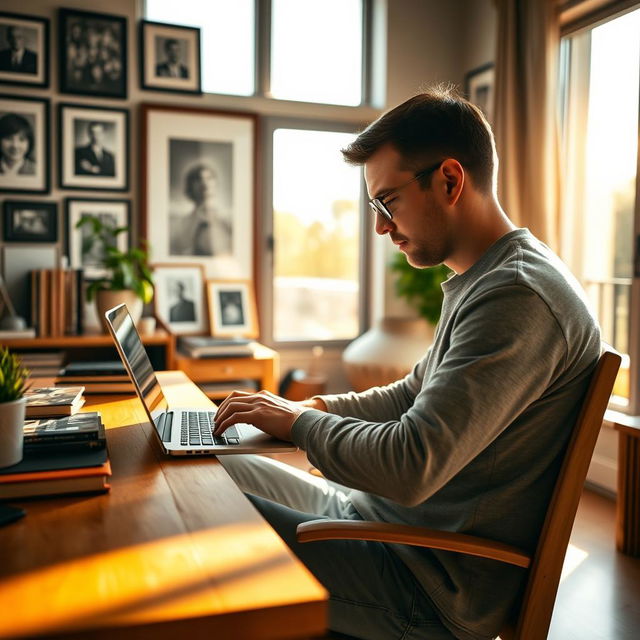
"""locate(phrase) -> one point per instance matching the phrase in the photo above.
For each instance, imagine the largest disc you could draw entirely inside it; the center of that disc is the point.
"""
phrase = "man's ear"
(454, 178)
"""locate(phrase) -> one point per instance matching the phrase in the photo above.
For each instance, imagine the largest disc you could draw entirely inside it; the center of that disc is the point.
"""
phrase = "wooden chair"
(532, 616)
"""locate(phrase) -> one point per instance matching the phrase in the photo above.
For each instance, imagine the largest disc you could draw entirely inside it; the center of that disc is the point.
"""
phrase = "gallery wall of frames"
(185, 182)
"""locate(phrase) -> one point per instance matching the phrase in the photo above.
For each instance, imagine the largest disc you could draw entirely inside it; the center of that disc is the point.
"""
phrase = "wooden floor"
(600, 598)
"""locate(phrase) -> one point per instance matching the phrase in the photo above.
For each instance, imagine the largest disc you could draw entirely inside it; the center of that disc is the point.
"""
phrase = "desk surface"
(174, 550)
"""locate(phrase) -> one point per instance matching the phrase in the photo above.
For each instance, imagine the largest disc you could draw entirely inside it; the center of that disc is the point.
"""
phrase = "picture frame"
(232, 309)
(92, 53)
(81, 256)
(93, 150)
(30, 221)
(179, 297)
(479, 89)
(24, 50)
(27, 168)
(209, 158)
(169, 58)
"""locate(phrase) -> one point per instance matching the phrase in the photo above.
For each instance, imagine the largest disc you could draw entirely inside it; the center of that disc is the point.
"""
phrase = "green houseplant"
(129, 278)
(420, 287)
(13, 384)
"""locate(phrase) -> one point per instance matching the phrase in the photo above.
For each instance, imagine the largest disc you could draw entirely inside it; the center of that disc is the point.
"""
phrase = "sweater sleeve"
(505, 349)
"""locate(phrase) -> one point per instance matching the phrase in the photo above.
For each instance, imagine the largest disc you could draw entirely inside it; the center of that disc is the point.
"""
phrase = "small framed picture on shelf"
(24, 144)
(479, 88)
(179, 297)
(169, 57)
(24, 50)
(30, 221)
(93, 53)
(232, 309)
(94, 148)
(82, 252)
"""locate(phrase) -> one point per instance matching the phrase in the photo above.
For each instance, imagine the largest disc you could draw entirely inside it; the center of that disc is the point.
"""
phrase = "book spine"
(35, 316)
(52, 438)
(80, 301)
(43, 304)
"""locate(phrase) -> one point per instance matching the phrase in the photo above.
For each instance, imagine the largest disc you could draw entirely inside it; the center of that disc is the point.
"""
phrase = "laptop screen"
(135, 358)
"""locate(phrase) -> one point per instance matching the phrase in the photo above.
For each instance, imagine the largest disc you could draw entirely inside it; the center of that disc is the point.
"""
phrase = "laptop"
(181, 430)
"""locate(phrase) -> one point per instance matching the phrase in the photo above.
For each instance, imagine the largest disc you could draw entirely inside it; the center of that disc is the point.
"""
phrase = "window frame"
(266, 247)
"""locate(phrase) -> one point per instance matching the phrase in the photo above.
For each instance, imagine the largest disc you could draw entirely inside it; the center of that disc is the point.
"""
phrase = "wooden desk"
(628, 499)
(174, 550)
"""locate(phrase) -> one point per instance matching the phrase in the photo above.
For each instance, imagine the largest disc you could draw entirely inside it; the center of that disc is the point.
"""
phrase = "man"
(172, 67)
(17, 57)
(183, 310)
(93, 159)
(469, 441)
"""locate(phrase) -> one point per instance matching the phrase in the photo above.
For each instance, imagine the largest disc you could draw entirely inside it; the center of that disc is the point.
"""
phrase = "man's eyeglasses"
(378, 204)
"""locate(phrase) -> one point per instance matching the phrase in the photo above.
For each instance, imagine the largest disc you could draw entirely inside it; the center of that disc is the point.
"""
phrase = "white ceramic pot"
(11, 431)
(387, 352)
(106, 300)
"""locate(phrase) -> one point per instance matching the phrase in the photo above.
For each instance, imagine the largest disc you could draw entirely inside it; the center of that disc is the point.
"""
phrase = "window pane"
(227, 39)
(605, 200)
(316, 51)
(316, 204)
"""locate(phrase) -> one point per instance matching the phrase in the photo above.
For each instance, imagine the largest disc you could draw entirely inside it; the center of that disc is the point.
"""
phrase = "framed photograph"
(83, 254)
(179, 297)
(30, 221)
(169, 57)
(24, 50)
(94, 148)
(198, 168)
(93, 53)
(24, 144)
(478, 87)
(232, 309)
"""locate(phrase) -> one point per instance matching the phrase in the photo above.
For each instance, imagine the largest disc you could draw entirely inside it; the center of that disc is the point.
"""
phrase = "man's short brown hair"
(433, 125)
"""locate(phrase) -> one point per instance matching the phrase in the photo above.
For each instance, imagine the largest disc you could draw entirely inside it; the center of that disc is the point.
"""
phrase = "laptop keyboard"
(196, 429)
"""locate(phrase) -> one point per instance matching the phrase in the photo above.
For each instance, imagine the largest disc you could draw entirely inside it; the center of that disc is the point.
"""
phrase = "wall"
(426, 41)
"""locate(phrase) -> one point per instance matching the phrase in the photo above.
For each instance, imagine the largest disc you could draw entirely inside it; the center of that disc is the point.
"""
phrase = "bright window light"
(316, 51)
(227, 39)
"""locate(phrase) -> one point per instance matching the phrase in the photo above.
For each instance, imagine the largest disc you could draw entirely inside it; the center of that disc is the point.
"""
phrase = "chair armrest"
(415, 536)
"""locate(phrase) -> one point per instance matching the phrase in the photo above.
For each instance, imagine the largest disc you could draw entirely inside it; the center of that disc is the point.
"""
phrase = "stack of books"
(42, 363)
(56, 302)
(62, 456)
(207, 347)
(96, 377)
(50, 402)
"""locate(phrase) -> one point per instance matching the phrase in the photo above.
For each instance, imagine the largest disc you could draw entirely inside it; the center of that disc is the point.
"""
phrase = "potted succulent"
(13, 384)
(129, 278)
(388, 351)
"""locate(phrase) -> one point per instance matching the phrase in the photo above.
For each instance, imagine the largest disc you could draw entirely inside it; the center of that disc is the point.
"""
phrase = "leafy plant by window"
(420, 287)
(13, 376)
(127, 269)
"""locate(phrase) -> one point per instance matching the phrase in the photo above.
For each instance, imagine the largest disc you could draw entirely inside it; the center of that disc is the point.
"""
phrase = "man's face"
(203, 185)
(15, 146)
(15, 37)
(96, 134)
(173, 52)
(420, 226)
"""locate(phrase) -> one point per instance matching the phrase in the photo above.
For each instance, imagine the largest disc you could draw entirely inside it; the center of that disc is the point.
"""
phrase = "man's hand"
(270, 413)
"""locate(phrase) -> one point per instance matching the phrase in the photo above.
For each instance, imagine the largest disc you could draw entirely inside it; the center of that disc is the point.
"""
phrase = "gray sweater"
(471, 439)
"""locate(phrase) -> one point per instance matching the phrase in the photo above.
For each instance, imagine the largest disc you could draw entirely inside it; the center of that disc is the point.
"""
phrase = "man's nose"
(383, 224)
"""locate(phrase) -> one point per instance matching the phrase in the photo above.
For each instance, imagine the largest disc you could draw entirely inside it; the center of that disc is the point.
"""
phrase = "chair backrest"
(537, 605)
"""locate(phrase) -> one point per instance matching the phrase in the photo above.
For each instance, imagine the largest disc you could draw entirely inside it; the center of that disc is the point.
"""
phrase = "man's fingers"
(235, 418)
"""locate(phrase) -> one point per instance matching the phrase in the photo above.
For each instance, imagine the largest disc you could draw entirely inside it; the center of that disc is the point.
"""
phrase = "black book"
(82, 429)
(93, 368)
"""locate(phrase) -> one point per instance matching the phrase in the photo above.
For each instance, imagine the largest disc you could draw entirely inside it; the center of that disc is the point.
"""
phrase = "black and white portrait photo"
(179, 299)
(83, 252)
(200, 198)
(94, 147)
(24, 144)
(94, 139)
(169, 57)
(24, 43)
(232, 309)
(30, 221)
(93, 54)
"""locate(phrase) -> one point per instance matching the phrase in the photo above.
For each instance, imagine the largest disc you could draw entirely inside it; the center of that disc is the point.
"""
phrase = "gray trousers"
(373, 595)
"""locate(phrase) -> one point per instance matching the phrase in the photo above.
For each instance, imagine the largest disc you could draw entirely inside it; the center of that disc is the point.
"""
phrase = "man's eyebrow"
(384, 192)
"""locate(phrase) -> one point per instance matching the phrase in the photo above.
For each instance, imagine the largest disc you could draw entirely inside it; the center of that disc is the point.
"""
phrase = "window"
(600, 219)
(316, 207)
(316, 57)
(227, 39)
